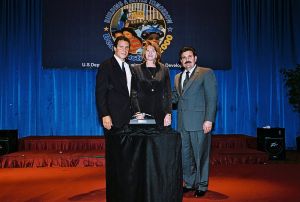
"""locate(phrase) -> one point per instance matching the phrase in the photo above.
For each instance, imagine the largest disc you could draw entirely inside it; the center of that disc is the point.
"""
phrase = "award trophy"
(148, 120)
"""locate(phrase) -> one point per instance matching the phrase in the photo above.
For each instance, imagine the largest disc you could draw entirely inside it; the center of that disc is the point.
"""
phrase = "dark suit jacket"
(112, 96)
(153, 93)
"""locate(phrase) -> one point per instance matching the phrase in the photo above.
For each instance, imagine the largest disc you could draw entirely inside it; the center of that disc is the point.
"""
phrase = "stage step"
(62, 143)
(88, 151)
(52, 159)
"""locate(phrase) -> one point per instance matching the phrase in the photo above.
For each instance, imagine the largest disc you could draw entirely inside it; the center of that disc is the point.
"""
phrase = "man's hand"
(207, 126)
(107, 123)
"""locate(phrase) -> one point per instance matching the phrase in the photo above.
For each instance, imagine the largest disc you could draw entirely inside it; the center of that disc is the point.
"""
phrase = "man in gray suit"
(196, 95)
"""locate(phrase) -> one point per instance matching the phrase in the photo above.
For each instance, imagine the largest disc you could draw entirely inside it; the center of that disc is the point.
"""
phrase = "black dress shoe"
(199, 193)
(186, 190)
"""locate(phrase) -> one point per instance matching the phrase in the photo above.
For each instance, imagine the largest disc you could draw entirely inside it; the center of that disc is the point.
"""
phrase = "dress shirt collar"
(120, 61)
(190, 71)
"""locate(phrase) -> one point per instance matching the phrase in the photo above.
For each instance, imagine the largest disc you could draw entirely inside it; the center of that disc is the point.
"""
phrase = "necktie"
(123, 67)
(187, 77)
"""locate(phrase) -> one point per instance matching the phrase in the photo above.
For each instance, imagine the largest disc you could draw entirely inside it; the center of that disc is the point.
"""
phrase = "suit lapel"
(119, 75)
(194, 76)
(178, 83)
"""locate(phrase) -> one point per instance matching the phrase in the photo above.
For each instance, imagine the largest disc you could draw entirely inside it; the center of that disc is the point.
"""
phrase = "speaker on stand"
(272, 141)
(8, 141)
(298, 143)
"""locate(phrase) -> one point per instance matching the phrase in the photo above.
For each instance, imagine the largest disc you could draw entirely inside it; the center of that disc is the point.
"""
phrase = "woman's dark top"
(151, 91)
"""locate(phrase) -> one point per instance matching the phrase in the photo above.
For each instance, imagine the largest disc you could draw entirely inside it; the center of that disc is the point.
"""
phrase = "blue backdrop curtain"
(265, 38)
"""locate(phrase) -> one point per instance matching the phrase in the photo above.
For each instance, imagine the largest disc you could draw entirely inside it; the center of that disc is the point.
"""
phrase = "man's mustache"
(187, 62)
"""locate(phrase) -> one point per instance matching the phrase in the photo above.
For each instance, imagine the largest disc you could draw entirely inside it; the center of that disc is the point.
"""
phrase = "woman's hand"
(139, 115)
(168, 120)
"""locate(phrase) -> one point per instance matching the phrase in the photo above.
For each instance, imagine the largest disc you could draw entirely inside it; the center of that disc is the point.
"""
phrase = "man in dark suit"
(196, 96)
(113, 86)
(113, 89)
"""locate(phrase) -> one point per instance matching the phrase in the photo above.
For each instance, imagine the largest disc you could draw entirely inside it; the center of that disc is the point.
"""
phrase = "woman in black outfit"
(152, 90)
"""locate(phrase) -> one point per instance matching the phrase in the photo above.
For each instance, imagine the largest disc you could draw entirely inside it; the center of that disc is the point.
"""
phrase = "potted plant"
(292, 81)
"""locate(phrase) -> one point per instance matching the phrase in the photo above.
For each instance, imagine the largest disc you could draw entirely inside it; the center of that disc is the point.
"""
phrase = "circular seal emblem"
(139, 21)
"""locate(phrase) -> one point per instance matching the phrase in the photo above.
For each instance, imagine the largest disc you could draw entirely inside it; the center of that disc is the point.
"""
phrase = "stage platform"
(89, 151)
(57, 151)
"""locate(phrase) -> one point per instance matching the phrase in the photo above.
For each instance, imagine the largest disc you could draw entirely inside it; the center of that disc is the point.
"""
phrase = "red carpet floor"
(274, 182)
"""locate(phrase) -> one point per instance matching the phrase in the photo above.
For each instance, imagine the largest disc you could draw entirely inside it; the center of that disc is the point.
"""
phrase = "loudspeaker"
(8, 141)
(272, 141)
(298, 143)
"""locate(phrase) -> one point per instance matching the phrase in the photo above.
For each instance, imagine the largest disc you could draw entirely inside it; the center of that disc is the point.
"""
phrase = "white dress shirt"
(127, 70)
(184, 75)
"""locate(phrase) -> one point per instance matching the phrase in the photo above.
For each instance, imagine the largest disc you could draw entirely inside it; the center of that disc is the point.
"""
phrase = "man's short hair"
(187, 48)
(120, 38)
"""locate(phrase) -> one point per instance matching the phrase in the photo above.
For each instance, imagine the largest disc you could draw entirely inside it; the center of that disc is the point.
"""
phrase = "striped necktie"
(187, 77)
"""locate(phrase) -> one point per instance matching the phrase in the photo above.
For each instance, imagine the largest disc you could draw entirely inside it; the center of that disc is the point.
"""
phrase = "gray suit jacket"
(197, 102)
